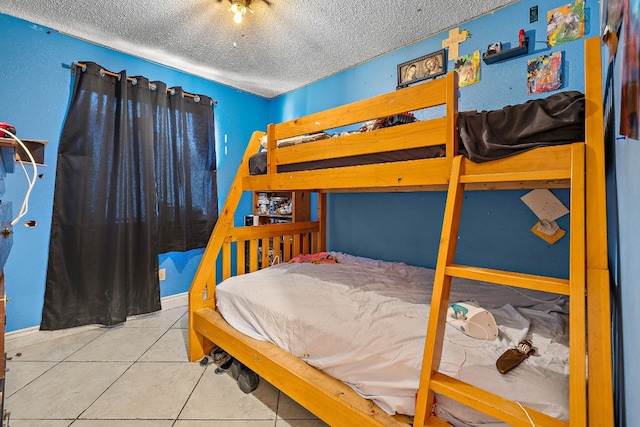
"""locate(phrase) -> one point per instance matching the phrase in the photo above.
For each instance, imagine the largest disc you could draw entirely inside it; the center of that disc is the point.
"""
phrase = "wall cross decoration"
(453, 42)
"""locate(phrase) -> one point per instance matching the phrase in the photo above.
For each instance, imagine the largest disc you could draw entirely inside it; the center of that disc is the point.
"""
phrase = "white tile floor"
(136, 374)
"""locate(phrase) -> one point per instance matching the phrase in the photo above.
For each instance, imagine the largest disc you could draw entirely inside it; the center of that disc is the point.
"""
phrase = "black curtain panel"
(185, 169)
(111, 179)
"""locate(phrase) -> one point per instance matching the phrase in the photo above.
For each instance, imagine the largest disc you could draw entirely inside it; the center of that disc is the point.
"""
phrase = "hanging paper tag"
(544, 204)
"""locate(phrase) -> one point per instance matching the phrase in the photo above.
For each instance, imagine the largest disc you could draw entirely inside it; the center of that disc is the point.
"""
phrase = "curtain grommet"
(196, 98)
(134, 81)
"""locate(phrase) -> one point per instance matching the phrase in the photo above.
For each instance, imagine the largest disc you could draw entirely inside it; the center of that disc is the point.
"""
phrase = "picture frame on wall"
(423, 68)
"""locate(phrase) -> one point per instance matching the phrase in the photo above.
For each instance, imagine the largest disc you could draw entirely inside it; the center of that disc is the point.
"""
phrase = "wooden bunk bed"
(578, 166)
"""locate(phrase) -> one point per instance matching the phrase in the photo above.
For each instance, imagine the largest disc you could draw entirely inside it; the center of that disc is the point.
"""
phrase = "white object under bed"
(364, 321)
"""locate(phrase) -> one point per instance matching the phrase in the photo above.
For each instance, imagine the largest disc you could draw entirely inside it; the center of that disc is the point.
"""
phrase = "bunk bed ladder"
(508, 411)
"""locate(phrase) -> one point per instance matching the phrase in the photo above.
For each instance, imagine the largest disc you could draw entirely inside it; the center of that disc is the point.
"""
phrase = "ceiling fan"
(240, 7)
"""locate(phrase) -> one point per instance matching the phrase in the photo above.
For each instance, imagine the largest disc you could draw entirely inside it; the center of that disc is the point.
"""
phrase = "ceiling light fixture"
(239, 8)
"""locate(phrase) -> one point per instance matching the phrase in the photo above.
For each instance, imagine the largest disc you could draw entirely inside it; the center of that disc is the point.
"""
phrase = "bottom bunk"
(351, 351)
(363, 322)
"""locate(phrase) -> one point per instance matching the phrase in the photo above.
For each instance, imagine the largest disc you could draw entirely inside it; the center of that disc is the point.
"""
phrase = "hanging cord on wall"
(151, 85)
(24, 208)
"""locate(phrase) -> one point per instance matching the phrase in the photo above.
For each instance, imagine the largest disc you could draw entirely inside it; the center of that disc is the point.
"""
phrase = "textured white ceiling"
(281, 46)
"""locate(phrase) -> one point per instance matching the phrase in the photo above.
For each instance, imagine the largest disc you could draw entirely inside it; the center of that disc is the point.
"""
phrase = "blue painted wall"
(36, 86)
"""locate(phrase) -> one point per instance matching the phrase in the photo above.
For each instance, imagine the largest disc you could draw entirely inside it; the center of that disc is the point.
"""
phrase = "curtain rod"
(131, 79)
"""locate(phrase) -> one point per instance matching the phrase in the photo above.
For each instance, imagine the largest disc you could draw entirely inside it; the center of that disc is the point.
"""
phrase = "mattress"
(363, 321)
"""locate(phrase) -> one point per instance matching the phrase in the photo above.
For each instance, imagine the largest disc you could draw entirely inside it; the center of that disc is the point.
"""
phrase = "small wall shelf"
(506, 54)
(35, 146)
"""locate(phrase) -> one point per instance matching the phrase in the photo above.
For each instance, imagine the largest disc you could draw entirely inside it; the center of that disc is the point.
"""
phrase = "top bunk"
(311, 152)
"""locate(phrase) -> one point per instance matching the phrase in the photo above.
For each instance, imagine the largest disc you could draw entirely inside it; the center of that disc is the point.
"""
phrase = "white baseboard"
(33, 335)
(175, 301)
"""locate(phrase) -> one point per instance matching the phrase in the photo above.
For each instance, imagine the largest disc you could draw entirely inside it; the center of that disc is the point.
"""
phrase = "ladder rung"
(508, 278)
(434, 421)
(516, 176)
(491, 404)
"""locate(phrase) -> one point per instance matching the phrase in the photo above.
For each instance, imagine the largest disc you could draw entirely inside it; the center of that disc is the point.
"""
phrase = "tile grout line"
(133, 362)
(204, 370)
(119, 377)
(56, 363)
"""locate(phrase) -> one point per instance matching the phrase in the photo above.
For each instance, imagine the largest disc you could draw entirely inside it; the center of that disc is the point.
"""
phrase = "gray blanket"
(489, 135)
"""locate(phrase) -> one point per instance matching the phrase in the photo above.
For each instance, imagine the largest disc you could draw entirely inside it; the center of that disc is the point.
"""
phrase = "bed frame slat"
(425, 133)
(509, 278)
(428, 94)
(491, 404)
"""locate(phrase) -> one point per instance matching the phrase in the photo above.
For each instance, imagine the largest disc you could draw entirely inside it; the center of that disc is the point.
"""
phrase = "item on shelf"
(263, 204)
(274, 204)
(8, 127)
(490, 57)
(494, 48)
(285, 208)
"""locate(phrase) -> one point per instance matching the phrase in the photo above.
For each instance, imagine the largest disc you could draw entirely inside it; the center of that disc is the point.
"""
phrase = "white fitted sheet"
(364, 321)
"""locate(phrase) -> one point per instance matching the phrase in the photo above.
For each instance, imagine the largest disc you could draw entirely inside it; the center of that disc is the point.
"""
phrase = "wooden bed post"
(598, 279)
(202, 290)
(452, 120)
(440, 296)
(577, 289)
(272, 167)
(322, 220)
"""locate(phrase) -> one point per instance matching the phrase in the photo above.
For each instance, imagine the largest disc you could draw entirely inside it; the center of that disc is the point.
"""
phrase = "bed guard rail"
(441, 130)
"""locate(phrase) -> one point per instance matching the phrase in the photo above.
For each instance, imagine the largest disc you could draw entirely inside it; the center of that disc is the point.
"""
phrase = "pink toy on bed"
(318, 258)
